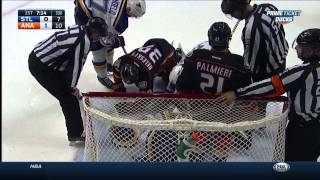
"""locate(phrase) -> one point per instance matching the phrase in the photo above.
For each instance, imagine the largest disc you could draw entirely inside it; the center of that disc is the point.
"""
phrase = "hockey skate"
(74, 141)
(109, 70)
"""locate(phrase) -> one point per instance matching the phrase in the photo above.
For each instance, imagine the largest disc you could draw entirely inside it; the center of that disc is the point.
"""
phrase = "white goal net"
(135, 127)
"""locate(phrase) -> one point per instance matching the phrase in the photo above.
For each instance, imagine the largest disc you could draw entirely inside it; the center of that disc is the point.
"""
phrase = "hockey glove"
(118, 41)
(106, 41)
(119, 87)
(76, 92)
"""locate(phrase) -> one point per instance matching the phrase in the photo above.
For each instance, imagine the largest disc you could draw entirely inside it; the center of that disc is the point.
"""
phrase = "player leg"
(109, 59)
(302, 142)
(55, 84)
(100, 65)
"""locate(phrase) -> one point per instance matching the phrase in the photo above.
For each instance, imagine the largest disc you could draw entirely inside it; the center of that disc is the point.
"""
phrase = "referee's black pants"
(302, 141)
(55, 83)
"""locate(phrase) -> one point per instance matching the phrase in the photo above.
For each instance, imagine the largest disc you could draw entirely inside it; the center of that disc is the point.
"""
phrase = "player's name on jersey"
(214, 69)
(41, 19)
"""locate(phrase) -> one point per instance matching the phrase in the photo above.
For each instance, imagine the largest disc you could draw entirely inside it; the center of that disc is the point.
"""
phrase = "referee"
(302, 84)
(265, 46)
(56, 63)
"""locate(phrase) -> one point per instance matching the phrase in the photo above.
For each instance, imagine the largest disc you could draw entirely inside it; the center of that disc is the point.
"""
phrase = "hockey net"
(135, 127)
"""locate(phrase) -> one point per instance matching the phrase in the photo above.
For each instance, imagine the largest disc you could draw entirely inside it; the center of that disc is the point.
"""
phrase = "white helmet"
(136, 8)
(173, 77)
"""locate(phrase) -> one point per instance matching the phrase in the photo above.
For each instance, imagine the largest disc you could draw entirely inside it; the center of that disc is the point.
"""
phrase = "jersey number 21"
(211, 82)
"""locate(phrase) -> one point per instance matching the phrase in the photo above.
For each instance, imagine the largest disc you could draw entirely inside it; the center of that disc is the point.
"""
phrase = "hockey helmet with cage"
(129, 72)
(136, 8)
(98, 26)
(309, 38)
(219, 35)
(228, 6)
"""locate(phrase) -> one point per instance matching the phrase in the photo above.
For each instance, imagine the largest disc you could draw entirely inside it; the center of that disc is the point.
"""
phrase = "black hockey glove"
(119, 42)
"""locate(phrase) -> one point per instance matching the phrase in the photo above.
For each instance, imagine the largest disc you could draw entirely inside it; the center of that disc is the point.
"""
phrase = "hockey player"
(56, 63)
(301, 83)
(212, 71)
(115, 13)
(156, 57)
(265, 46)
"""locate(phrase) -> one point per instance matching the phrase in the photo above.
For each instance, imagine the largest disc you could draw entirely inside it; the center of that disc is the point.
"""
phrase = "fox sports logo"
(281, 167)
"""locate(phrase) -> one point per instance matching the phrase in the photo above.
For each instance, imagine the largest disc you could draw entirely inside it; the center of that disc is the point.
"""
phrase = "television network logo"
(284, 16)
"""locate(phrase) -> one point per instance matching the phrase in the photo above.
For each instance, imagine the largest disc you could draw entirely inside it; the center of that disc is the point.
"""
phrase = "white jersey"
(203, 45)
(112, 11)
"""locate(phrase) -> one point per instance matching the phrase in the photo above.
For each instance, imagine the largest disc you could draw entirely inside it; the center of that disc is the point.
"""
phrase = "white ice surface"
(33, 127)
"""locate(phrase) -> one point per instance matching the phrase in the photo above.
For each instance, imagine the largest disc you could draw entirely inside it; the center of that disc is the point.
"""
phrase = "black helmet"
(219, 35)
(309, 37)
(129, 73)
(227, 6)
(97, 25)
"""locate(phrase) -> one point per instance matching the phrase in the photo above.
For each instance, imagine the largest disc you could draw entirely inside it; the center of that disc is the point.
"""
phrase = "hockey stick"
(235, 27)
(124, 50)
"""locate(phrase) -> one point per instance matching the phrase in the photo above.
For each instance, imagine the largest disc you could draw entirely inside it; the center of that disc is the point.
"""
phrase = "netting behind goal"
(132, 127)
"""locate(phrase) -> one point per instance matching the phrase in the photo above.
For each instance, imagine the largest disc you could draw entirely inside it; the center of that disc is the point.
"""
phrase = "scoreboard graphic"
(41, 19)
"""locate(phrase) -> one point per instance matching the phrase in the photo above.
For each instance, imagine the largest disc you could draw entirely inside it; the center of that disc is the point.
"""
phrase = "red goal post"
(141, 127)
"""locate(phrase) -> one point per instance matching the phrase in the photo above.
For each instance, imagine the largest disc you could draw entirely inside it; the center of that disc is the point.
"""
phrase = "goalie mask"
(136, 8)
(129, 73)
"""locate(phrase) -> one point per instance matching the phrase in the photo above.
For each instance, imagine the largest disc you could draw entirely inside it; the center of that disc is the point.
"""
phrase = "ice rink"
(33, 126)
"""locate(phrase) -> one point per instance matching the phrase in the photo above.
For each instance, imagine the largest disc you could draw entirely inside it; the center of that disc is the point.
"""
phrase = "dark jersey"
(301, 82)
(209, 72)
(265, 46)
(152, 60)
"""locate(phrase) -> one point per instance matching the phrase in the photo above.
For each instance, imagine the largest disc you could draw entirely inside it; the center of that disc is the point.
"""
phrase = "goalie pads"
(123, 137)
(161, 146)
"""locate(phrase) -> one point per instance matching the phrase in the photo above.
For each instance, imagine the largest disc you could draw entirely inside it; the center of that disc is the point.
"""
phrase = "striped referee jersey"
(302, 84)
(265, 46)
(65, 51)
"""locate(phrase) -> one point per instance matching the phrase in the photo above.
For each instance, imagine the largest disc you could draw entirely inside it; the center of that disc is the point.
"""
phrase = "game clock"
(41, 19)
